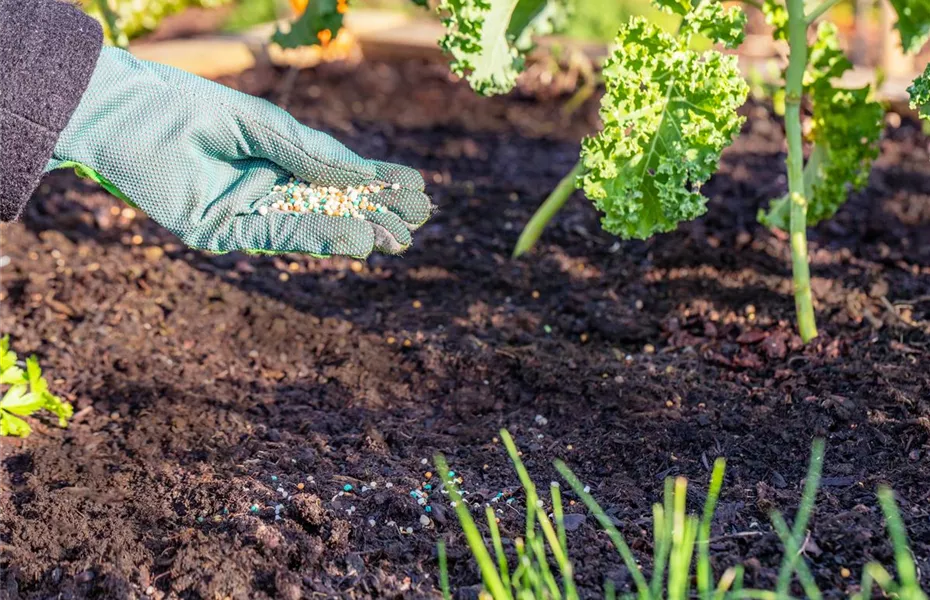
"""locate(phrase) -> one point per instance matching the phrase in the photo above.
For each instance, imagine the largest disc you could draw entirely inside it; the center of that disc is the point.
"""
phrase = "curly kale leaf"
(913, 22)
(722, 25)
(668, 113)
(320, 22)
(487, 39)
(920, 94)
(846, 126)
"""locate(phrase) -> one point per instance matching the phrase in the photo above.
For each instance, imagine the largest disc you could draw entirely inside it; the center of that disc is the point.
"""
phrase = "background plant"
(542, 567)
(26, 393)
(669, 109)
(123, 20)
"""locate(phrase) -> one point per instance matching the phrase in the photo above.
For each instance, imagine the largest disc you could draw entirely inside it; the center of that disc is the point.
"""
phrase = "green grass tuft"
(541, 567)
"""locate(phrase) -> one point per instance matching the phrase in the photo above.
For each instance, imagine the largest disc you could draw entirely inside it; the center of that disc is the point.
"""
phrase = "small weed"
(27, 394)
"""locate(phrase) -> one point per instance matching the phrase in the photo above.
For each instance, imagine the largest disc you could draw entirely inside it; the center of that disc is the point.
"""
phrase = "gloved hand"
(200, 159)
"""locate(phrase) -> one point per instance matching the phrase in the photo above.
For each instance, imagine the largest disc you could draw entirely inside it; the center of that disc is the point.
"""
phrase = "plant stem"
(797, 63)
(113, 31)
(547, 211)
(820, 10)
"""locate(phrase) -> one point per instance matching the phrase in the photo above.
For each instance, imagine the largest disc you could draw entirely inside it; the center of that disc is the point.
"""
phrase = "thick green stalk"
(794, 88)
(546, 211)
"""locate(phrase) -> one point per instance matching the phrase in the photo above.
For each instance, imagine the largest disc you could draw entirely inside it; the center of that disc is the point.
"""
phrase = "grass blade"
(502, 568)
(539, 549)
(705, 575)
(791, 548)
(865, 588)
(610, 593)
(443, 571)
(615, 536)
(884, 580)
(532, 499)
(530, 490)
(726, 581)
(904, 562)
(738, 580)
(662, 535)
(808, 497)
(559, 514)
(489, 574)
(683, 537)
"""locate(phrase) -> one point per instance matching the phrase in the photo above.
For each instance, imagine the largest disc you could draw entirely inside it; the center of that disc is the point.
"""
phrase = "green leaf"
(319, 16)
(846, 126)
(28, 394)
(13, 426)
(37, 384)
(675, 7)
(534, 18)
(61, 409)
(39, 388)
(7, 356)
(13, 376)
(487, 39)
(920, 94)
(19, 401)
(722, 25)
(913, 23)
(668, 113)
(776, 15)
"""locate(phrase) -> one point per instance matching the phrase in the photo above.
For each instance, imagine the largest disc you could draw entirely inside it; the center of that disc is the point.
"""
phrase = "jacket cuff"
(48, 50)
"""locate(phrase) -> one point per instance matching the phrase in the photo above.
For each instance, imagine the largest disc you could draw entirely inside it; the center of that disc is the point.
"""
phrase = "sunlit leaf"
(487, 39)
(913, 23)
(668, 113)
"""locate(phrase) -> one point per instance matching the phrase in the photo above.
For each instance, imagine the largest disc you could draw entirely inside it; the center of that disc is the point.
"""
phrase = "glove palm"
(201, 159)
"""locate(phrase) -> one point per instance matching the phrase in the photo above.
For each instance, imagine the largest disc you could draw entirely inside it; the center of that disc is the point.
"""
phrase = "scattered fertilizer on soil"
(301, 197)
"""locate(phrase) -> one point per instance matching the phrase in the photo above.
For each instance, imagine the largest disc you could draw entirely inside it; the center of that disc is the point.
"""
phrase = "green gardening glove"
(202, 159)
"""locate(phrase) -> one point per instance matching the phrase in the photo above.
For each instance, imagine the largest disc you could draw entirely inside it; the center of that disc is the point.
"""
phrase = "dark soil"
(202, 384)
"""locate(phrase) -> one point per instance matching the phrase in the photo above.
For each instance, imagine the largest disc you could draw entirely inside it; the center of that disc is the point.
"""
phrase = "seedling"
(543, 567)
(27, 393)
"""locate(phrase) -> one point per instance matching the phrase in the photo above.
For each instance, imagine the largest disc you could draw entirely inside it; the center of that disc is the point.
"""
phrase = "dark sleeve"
(48, 50)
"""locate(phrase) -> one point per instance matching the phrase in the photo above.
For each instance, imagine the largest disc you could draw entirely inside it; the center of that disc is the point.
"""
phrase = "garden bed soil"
(202, 383)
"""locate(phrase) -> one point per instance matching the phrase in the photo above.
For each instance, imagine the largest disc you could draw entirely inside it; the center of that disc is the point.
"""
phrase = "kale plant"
(669, 111)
